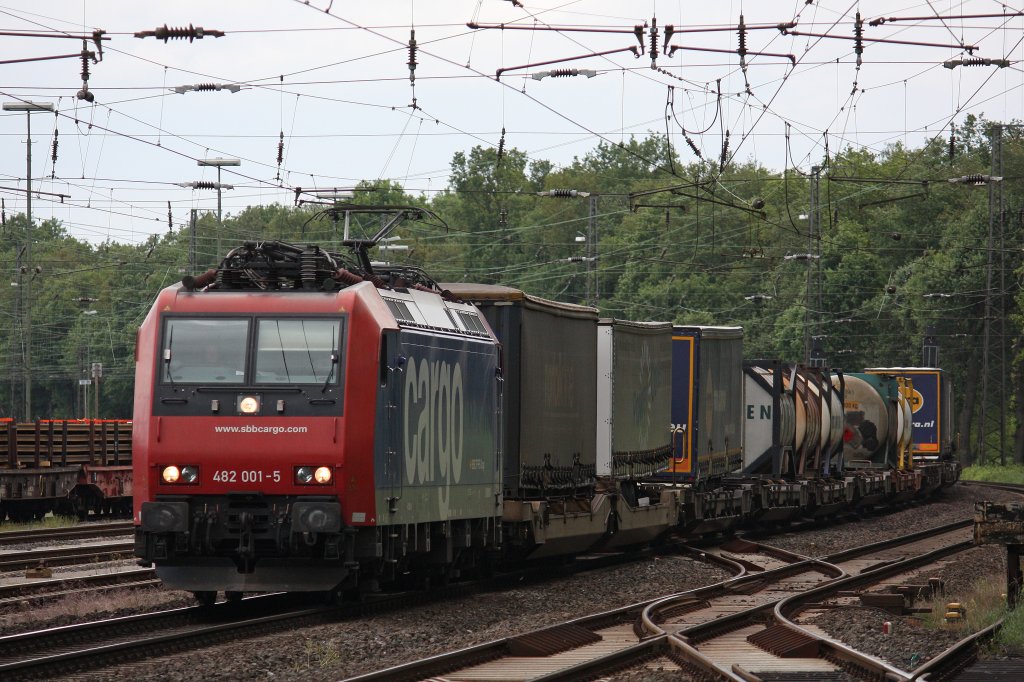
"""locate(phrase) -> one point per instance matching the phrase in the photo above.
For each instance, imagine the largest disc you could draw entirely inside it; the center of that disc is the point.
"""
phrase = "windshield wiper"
(167, 355)
(284, 357)
(334, 361)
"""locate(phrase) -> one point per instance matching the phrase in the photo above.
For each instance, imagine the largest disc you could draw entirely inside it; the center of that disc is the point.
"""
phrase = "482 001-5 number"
(246, 476)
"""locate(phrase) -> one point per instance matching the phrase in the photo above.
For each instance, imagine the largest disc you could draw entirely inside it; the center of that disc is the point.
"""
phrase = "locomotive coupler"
(246, 541)
(202, 531)
(332, 547)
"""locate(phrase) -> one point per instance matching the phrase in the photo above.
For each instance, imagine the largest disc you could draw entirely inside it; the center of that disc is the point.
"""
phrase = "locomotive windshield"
(285, 351)
(296, 351)
(208, 351)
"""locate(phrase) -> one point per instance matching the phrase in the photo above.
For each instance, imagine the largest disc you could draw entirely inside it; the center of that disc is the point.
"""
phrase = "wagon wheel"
(79, 505)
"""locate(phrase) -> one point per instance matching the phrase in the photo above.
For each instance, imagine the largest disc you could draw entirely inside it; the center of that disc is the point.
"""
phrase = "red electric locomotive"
(291, 434)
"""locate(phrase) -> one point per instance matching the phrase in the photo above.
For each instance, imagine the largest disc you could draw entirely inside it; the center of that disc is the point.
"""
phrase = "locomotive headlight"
(308, 475)
(322, 475)
(183, 475)
(171, 474)
(249, 404)
(304, 475)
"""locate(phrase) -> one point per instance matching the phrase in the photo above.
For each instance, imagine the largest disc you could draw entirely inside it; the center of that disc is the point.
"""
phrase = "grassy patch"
(1011, 473)
(321, 654)
(45, 522)
(984, 605)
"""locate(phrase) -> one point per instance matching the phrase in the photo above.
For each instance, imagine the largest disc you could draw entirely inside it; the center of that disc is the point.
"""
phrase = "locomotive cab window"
(298, 351)
(204, 351)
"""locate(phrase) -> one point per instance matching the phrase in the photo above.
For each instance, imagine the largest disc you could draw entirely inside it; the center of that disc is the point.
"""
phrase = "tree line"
(868, 251)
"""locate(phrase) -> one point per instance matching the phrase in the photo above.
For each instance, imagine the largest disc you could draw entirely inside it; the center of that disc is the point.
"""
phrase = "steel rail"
(42, 646)
(440, 664)
(836, 649)
(69, 533)
(703, 631)
(952, 659)
(60, 556)
(40, 587)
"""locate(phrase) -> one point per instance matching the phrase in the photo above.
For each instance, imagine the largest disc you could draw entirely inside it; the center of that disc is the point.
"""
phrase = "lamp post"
(90, 379)
(593, 295)
(28, 108)
(219, 162)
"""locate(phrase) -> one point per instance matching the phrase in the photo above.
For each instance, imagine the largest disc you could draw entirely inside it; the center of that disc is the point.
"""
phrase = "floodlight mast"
(28, 108)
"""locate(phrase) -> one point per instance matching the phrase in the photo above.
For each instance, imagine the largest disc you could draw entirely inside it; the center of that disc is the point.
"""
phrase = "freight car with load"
(67, 467)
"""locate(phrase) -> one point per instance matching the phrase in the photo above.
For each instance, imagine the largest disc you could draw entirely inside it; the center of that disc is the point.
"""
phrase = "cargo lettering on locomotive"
(434, 421)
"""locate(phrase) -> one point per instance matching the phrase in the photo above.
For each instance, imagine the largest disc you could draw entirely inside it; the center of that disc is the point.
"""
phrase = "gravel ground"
(331, 652)
(907, 646)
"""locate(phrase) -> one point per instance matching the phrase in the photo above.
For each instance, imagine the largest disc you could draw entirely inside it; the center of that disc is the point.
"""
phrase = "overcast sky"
(334, 79)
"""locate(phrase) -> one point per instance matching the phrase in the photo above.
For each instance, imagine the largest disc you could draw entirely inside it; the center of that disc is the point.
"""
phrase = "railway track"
(58, 651)
(39, 591)
(23, 590)
(1009, 487)
(75, 648)
(704, 631)
(79, 532)
(65, 556)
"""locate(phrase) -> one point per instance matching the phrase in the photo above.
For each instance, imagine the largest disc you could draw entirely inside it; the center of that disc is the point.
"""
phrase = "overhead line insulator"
(86, 55)
(858, 36)
(693, 146)
(53, 154)
(976, 61)
(180, 33)
(412, 55)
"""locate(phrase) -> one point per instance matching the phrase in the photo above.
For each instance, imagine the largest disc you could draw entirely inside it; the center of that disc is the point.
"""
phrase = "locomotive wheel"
(206, 598)
(233, 596)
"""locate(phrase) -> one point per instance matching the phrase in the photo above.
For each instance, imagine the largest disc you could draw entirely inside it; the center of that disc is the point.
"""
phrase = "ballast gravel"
(340, 650)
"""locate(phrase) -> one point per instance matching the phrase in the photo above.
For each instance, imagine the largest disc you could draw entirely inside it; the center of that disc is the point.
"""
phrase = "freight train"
(310, 421)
